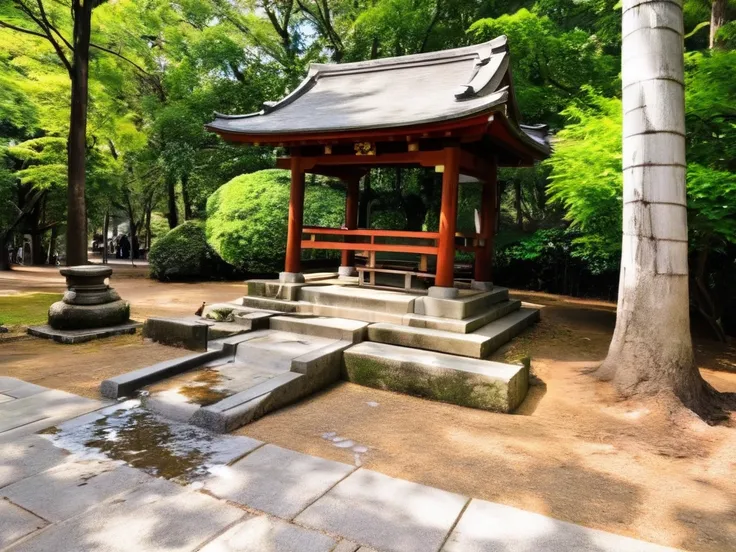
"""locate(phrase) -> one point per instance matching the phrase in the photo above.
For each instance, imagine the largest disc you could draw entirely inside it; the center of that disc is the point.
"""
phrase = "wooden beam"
(296, 218)
(448, 218)
(421, 158)
(384, 247)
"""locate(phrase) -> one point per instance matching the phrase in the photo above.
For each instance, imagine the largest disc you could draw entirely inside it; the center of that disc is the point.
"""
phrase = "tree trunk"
(517, 205)
(4, 254)
(717, 19)
(148, 228)
(185, 197)
(52, 245)
(651, 350)
(105, 229)
(76, 227)
(364, 201)
(172, 215)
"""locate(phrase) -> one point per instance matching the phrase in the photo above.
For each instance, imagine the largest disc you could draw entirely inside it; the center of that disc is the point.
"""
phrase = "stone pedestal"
(88, 302)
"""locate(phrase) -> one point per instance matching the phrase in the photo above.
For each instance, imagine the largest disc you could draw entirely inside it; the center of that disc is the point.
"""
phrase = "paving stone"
(263, 534)
(386, 513)
(27, 456)
(277, 481)
(346, 546)
(36, 412)
(70, 337)
(5, 398)
(16, 523)
(489, 527)
(19, 389)
(73, 487)
(159, 516)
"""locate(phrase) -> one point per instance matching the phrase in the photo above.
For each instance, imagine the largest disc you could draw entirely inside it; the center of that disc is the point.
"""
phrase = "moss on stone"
(446, 386)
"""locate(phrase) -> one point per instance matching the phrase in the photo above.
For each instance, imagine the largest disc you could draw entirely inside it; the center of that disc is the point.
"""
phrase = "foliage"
(247, 217)
(586, 177)
(183, 254)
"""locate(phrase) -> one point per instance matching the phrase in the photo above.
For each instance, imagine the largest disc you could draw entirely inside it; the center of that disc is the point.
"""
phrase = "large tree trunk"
(185, 197)
(717, 19)
(172, 215)
(651, 350)
(105, 229)
(517, 205)
(76, 227)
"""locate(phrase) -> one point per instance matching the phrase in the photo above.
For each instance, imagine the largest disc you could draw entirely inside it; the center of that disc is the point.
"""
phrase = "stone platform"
(69, 337)
(290, 343)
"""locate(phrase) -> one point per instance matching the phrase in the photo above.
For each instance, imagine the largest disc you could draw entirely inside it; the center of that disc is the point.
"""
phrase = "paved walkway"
(269, 500)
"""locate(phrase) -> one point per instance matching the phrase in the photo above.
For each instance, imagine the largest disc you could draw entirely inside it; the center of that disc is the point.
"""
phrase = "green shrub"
(183, 253)
(247, 218)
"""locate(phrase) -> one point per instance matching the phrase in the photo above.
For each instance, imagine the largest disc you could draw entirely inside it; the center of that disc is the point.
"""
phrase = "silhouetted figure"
(124, 247)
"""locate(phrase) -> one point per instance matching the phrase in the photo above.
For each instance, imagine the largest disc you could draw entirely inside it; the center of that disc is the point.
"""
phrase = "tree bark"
(105, 229)
(717, 19)
(517, 205)
(185, 197)
(172, 215)
(76, 227)
(651, 350)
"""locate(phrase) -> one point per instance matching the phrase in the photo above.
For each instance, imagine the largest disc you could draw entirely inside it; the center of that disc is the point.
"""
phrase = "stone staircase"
(294, 339)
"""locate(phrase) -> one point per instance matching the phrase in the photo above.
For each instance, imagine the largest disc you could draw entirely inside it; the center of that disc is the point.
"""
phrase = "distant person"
(124, 247)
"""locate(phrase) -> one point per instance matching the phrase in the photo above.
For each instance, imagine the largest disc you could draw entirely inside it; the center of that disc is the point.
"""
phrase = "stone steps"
(466, 325)
(474, 383)
(353, 331)
(358, 314)
(359, 299)
(459, 308)
(269, 303)
(478, 344)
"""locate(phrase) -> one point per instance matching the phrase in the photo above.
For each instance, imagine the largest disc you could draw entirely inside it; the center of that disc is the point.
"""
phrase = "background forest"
(159, 69)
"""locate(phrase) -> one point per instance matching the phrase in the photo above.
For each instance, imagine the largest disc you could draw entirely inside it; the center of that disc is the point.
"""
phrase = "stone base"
(481, 286)
(346, 272)
(63, 316)
(438, 292)
(177, 332)
(291, 277)
(70, 337)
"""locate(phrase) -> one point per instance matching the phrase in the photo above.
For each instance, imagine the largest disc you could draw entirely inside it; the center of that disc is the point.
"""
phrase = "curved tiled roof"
(393, 93)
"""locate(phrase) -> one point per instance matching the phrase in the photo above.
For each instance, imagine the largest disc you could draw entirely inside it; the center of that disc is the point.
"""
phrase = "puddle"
(205, 388)
(146, 441)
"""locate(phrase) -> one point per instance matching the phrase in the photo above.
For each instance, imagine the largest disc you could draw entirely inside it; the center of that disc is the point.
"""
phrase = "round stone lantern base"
(88, 302)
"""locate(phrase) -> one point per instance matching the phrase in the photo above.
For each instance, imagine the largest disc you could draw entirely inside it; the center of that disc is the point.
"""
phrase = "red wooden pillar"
(292, 269)
(347, 260)
(484, 258)
(448, 219)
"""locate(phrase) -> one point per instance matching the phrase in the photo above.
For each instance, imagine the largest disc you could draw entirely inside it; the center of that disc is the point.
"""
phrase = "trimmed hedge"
(183, 253)
(247, 218)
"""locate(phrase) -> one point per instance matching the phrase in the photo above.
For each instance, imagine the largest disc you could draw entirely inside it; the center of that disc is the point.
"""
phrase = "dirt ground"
(573, 451)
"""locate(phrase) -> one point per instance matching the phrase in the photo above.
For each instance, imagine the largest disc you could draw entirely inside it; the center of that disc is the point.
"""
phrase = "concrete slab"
(504, 329)
(159, 516)
(177, 332)
(466, 325)
(19, 389)
(277, 481)
(386, 513)
(489, 527)
(359, 298)
(268, 303)
(16, 523)
(70, 337)
(358, 314)
(346, 546)
(274, 289)
(27, 456)
(41, 410)
(5, 398)
(124, 384)
(469, 345)
(464, 306)
(72, 488)
(483, 384)
(331, 328)
(264, 534)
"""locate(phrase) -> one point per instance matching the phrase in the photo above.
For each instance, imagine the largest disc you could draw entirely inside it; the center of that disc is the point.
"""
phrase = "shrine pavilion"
(453, 111)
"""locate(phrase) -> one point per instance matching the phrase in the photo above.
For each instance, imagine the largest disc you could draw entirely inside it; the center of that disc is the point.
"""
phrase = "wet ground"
(149, 442)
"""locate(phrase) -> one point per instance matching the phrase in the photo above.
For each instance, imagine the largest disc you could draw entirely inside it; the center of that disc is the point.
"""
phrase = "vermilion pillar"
(292, 269)
(484, 258)
(448, 220)
(347, 261)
